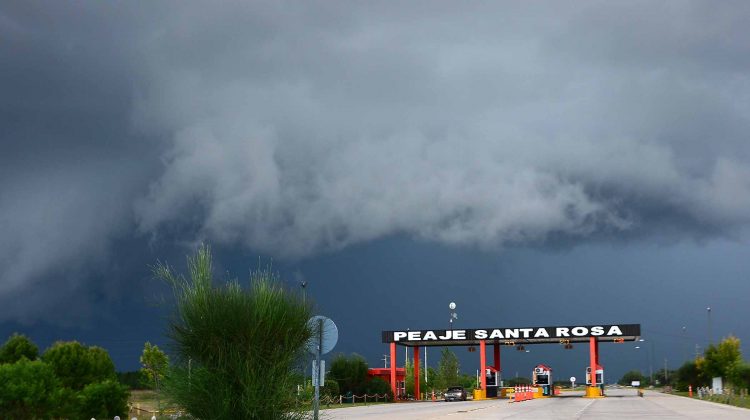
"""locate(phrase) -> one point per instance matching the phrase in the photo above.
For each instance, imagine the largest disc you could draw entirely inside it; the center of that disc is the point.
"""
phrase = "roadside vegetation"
(69, 380)
(721, 360)
(235, 348)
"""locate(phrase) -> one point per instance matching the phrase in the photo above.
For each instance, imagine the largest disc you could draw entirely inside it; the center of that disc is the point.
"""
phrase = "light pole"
(425, 365)
(303, 285)
(650, 358)
(453, 315)
(710, 333)
(687, 343)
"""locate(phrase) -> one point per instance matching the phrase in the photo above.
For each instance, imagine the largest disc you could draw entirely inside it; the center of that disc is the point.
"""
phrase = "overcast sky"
(592, 155)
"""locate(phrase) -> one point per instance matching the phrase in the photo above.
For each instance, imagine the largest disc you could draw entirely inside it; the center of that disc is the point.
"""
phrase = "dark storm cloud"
(295, 128)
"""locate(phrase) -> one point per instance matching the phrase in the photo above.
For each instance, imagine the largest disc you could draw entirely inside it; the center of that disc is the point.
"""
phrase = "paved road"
(620, 404)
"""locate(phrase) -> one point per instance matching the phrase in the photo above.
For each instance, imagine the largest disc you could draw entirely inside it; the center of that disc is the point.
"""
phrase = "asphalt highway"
(619, 404)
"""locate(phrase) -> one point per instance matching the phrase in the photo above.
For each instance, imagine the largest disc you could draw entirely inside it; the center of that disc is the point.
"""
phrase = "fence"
(349, 399)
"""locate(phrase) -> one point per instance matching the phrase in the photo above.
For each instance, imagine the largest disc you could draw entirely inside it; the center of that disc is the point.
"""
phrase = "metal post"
(316, 402)
(651, 360)
(710, 333)
(425, 365)
(483, 364)
(684, 338)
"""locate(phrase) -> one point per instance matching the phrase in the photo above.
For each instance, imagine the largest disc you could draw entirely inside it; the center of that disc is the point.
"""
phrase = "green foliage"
(350, 373)
(132, 380)
(77, 366)
(665, 377)
(155, 364)
(631, 376)
(448, 368)
(28, 390)
(722, 359)
(16, 347)
(467, 381)
(688, 374)
(235, 348)
(517, 381)
(430, 384)
(103, 400)
(738, 375)
(331, 389)
(409, 379)
(378, 386)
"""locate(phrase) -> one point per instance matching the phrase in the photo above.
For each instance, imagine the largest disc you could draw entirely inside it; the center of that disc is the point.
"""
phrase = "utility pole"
(666, 372)
(651, 361)
(685, 340)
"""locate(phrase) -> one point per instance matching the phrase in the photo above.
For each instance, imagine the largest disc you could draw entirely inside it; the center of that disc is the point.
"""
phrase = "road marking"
(580, 412)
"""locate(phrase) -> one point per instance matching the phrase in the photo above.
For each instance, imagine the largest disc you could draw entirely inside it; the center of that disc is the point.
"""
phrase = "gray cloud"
(295, 129)
(468, 127)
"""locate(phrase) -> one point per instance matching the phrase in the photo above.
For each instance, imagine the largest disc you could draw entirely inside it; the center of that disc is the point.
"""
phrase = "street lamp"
(686, 342)
(453, 315)
(710, 334)
(650, 358)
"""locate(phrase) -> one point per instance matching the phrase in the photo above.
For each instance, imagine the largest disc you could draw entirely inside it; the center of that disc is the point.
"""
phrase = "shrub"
(28, 389)
(235, 348)
(103, 400)
(379, 386)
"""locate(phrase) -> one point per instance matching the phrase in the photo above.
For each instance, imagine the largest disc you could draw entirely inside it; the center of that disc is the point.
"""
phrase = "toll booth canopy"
(497, 337)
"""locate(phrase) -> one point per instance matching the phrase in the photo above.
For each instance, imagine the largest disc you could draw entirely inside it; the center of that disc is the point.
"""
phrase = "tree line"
(68, 380)
(721, 360)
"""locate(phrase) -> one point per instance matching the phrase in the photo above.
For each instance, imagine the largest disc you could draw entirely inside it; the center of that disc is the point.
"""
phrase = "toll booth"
(492, 376)
(542, 377)
(599, 375)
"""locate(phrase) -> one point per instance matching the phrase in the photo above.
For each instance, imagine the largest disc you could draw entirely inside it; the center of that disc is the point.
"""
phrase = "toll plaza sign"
(512, 336)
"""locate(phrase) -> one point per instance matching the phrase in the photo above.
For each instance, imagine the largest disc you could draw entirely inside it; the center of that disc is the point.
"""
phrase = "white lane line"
(580, 412)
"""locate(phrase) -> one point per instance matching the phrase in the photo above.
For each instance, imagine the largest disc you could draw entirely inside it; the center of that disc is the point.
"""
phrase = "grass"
(147, 402)
(345, 405)
(737, 401)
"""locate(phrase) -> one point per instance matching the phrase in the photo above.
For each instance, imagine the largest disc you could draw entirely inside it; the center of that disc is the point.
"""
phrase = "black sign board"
(513, 336)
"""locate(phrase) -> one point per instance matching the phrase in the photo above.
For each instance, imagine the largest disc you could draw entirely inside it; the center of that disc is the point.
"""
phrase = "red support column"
(416, 373)
(483, 363)
(596, 353)
(592, 357)
(497, 356)
(393, 371)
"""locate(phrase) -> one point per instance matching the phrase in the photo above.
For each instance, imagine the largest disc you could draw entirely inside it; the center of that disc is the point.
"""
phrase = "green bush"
(235, 349)
(133, 379)
(350, 373)
(28, 390)
(330, 389)
(103, 400)
(378, 386)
